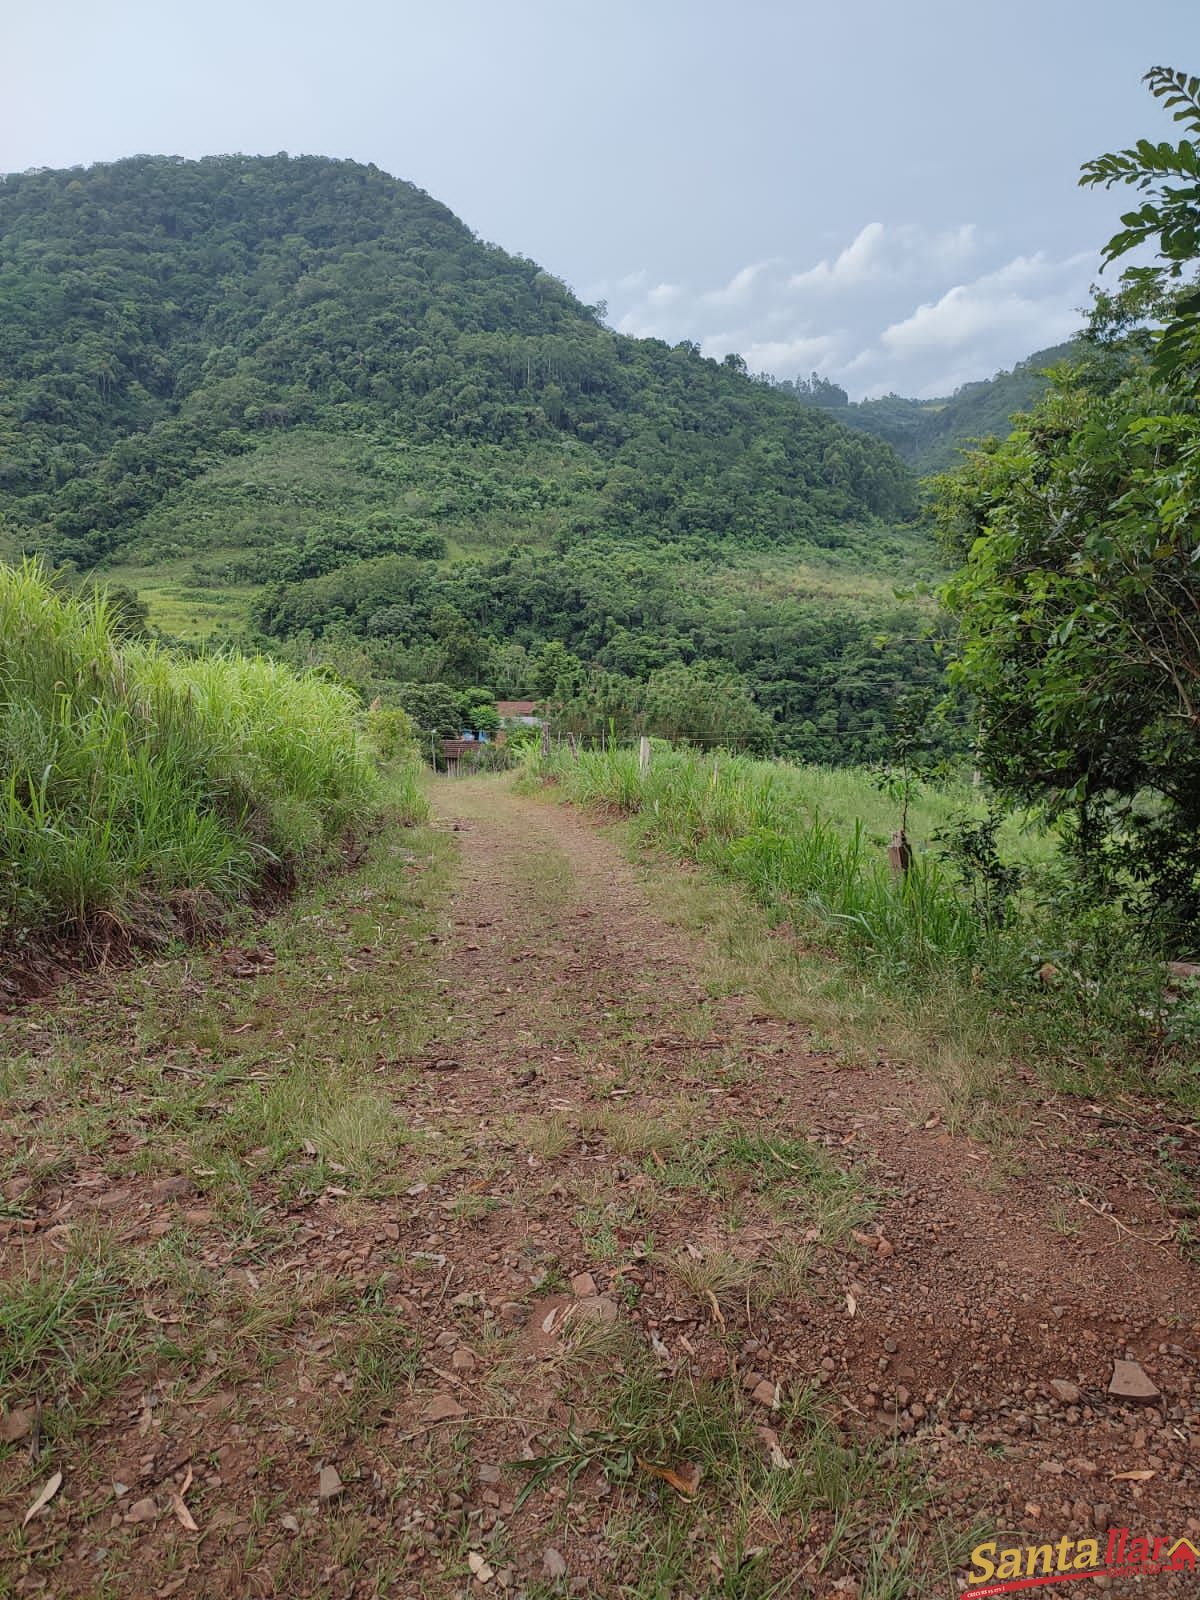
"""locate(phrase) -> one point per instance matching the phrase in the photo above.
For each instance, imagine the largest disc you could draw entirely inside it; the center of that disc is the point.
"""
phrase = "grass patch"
(635, 1133)
(910, 958)
(714, 1276)
(708, 1503)
(67, 1331)
(129, 776)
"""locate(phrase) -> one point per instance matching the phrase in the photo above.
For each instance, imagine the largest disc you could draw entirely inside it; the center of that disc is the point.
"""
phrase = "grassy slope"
(129, 776)
(808, 843)
(187, 557)
(183, 557)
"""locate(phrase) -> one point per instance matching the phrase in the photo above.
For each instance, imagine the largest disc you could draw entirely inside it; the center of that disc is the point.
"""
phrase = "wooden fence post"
(643, 756)
(900, 853)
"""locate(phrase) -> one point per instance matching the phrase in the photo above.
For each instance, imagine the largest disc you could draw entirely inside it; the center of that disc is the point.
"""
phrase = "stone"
(329, 1483)
(1130, 1382)
(15, 1425)
(1069, 1393)
(177, 1188)
(598, 1307)
(443, 1408)
(764, 1394)
(480, 1570)
(584, 1286)
(142, 1511)
(463, 1360)
(553, 1564)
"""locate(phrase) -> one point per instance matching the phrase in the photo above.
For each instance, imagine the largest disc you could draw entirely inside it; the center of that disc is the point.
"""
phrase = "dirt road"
(740, 1317)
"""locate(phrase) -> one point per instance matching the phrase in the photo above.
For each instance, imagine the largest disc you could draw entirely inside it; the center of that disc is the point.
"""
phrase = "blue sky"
(884, 192)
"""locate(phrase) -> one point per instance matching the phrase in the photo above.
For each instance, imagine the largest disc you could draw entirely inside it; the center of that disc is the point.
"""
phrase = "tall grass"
(127, 773)
(751, 821)
(1069, 987)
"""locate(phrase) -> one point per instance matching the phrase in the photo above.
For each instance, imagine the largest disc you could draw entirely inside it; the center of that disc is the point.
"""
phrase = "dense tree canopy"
(1079, 599)
(418, 459)
(160, 312)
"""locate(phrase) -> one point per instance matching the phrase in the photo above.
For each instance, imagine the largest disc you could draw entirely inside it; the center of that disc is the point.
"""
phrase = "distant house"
(512, 714)
(453, 750)
(516, 714)
(523, 711)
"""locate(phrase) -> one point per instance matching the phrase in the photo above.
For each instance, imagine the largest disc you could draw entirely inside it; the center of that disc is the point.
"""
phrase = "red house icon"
(1182, 1557)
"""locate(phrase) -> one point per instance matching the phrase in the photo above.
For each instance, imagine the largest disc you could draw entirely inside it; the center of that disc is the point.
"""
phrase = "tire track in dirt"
(974, 1308)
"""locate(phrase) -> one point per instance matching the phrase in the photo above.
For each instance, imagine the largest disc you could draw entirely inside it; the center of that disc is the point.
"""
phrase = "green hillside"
(298, 400)
(931, 434)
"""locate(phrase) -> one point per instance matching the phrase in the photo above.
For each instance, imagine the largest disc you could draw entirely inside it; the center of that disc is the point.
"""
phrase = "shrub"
(127, 774)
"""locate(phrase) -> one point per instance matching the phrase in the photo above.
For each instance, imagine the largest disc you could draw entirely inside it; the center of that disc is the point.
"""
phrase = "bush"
(127, 774)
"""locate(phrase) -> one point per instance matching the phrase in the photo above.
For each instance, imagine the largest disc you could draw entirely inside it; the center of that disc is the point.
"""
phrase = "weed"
(715, 1277)
(548, 1137)
(932, 956)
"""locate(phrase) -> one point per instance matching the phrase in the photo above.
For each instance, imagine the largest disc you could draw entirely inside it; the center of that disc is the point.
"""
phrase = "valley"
(599, 983)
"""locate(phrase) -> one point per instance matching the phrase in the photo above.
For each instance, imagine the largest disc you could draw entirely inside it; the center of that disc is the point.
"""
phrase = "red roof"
(516, 708)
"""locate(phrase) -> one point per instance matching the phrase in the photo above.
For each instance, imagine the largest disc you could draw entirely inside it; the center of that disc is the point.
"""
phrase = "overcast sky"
(881, 190)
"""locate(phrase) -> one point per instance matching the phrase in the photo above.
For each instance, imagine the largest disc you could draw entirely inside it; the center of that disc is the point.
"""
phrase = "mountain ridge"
(242, 293)
(930, 435)
(295, 403)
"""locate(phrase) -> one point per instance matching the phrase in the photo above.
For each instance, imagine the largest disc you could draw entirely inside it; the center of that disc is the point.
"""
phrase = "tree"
(1170, 175)
(705, 704)
(1078, 600)
(434, 707)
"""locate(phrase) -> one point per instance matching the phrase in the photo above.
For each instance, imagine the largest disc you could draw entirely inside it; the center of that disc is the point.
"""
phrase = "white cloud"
(861, 259)
(737, 290)
(878, 252)
(788, 356)
(1029, 302)
(901, 308)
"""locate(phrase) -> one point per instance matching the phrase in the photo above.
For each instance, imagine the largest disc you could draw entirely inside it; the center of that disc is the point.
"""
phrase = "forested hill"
(161, 314)
(296, 404)
(930, 435)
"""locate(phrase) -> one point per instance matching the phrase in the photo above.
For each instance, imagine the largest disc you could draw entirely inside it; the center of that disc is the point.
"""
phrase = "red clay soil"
(963, 1320)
